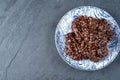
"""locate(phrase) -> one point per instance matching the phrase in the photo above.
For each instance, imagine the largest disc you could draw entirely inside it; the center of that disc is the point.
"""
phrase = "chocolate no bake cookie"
(88, 38)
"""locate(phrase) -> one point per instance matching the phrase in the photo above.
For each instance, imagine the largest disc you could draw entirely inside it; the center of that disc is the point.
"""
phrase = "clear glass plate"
(64, 26)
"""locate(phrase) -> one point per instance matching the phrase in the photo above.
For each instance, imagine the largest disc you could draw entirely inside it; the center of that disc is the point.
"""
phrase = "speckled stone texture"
(27, 46)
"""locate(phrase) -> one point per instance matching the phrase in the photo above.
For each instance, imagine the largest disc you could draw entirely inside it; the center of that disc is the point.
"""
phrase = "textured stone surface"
(27, 47)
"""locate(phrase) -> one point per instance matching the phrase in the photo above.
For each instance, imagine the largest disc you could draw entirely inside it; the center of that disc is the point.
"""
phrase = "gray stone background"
(27, 47)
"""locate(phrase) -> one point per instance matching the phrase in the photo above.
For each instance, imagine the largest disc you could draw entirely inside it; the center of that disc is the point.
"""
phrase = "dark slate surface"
(27, 48)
